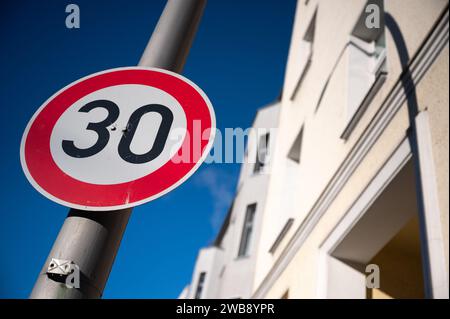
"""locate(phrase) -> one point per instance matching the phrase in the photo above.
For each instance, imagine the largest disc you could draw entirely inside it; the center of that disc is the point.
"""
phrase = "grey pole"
(91, 239)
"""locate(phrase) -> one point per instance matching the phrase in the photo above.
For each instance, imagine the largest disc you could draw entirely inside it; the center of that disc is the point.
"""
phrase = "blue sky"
(238, 59)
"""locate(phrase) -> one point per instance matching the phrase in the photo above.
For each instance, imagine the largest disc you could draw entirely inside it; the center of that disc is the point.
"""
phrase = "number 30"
(101, 128)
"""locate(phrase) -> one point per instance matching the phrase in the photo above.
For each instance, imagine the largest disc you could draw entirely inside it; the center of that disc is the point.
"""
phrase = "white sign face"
(108, 140)
(72, 125)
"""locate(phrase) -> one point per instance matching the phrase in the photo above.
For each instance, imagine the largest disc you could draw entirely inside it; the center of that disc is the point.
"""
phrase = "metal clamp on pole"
(88, 241)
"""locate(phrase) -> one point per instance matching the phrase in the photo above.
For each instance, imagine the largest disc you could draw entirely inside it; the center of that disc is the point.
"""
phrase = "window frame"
(306, 51)
(200, 285)
(378, 71)
(247, 230)
(259, 165)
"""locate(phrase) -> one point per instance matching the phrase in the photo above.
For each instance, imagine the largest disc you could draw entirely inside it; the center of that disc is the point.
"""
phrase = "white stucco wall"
(323, 149)
(230, 276)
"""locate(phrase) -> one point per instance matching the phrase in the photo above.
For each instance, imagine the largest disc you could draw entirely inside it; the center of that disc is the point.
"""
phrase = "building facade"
(226, 268)
(357, 203)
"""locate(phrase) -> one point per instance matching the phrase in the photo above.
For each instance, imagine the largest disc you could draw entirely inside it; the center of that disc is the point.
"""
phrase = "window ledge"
(281, 235)
(263, 171)
(353, 121)
(301, 78)
(240, 258)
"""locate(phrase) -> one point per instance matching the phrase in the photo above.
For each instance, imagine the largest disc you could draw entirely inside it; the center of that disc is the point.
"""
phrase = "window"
(247, 230)
(201, 283)
(308, 38)
(294, 152)
(306, 50)
(366, 67)
(261, 154)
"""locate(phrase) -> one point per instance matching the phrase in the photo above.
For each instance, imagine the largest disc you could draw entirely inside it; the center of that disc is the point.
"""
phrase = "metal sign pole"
(90, 240)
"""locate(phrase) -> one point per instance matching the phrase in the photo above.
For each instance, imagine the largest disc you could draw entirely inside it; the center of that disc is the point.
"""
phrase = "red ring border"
(45, 172)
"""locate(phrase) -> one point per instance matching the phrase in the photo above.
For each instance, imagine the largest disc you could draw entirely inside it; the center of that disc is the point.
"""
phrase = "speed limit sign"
(118, 138)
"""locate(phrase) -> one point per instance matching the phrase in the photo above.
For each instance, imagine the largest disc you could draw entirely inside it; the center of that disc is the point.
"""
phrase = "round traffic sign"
(117, 138)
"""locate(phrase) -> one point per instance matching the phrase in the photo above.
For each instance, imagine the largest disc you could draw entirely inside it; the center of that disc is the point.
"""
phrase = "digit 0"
(161, 137)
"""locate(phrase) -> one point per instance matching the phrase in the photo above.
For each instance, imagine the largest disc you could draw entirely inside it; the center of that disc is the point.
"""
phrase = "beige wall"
(323, 150)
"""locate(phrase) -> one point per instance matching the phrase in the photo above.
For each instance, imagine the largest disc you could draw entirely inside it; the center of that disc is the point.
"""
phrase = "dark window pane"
(247, 230)
(201, 282)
